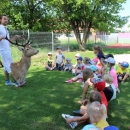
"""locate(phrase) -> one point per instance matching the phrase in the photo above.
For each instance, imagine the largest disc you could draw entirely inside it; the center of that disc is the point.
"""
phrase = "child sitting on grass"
(98, 114)
(74, 121)
(50, 62)
(122, 71)
(110, 90)
(78, 67)
(68, 65)
(59, 59)
(111, 70)
(79, 77)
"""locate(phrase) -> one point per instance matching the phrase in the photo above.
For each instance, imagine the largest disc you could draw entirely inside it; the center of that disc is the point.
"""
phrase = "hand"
(69, 120)
(2, 38)
(17, 37)
(62, 64)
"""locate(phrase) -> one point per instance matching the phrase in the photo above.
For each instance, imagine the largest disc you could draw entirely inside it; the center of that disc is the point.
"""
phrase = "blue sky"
(126, 12)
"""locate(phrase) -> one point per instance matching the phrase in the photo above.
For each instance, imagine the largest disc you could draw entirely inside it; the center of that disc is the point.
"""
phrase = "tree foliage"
(83, 15)
(65, 15)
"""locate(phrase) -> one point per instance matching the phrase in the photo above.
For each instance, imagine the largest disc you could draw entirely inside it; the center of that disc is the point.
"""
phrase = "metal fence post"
(68, 43)
(28, 34)
(52, 42)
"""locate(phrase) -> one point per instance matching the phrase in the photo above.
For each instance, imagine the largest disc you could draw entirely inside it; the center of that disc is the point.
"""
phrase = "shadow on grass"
(39, 104)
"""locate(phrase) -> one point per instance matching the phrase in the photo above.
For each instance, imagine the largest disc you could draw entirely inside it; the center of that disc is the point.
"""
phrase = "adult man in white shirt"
(5, 48)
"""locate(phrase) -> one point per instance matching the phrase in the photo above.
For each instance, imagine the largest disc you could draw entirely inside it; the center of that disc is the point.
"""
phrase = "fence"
(50, 40)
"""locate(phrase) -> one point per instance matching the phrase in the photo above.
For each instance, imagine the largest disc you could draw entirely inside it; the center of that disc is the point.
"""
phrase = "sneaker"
(69, 81)
(72, 124)
(118, 90)
(9, 83)
(79, 81)
(122, 82)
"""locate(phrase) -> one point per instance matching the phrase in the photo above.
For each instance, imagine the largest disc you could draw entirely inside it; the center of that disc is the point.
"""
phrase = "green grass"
(39, 104)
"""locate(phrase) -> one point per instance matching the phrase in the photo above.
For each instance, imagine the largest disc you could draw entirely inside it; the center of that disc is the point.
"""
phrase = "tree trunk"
(86, 32)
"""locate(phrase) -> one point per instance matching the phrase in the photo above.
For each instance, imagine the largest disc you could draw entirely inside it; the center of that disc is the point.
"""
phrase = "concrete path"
(122, 57)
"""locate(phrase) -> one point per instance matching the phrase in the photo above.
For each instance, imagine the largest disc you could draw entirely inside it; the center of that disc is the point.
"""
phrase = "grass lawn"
(39, 104)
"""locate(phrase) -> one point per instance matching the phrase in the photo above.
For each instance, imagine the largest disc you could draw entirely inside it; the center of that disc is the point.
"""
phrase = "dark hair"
(95, 96)
(87, 73)
(2, 16)
(98, 48)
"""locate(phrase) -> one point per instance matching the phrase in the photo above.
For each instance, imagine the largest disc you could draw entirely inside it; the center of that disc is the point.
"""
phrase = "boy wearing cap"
(68, 65)
(122, 71)
(59, 59)
(79, 66)
(49, 64)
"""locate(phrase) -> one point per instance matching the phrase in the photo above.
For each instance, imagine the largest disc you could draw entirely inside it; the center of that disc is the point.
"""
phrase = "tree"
(82, 15)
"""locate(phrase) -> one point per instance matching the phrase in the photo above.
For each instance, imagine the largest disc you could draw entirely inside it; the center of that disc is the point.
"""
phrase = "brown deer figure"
(19, 69)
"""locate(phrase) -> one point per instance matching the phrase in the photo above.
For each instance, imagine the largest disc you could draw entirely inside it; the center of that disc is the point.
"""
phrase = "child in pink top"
(110, 63)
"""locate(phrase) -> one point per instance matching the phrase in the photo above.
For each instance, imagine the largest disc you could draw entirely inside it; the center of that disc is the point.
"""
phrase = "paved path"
(122, 57)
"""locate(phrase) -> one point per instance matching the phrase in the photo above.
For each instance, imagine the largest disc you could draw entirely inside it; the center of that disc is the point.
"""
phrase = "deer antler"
(16, 43)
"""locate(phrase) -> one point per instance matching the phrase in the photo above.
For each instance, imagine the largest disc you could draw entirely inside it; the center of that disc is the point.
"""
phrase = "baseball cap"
(124, 64)
(49, 53)
(89, 127)
(68, 59)
(59, 47)
(92, 67)
(111, 128)
(78, 55)
(80, 58)
(110, 60)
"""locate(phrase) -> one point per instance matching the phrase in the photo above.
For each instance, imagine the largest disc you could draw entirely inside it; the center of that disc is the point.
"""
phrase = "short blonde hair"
(97, 109)
(108, 78)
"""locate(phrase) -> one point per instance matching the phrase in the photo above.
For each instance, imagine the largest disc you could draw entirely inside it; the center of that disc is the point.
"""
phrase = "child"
(99, 54)
(78, 72)
(78, 67)
(111, 70)
(68, 65)
(88, 74)
(49, 64)
(59, 59)
(110, 90)
(122, 71)
(75, 121)
(98, 114)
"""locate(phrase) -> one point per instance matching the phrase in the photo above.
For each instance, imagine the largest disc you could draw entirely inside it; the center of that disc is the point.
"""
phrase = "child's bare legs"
(125, 77)
(83, 109)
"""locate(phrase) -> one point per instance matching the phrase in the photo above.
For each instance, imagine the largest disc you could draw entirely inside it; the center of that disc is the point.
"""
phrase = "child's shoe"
(118, 90)
(69, 81)
(122, 81)
(79, 81)
(72, 124)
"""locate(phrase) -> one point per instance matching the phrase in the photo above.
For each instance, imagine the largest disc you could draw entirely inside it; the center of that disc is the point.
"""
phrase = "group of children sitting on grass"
(99, 74)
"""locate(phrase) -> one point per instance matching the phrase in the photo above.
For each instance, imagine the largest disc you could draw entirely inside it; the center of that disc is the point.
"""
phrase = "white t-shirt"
(59, 58)
(4, 44)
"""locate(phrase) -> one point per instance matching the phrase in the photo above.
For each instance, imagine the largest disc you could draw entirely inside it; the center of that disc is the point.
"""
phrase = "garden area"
(39, 104)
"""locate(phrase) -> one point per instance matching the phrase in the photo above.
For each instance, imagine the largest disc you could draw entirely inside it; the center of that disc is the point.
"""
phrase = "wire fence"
(50, 40)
